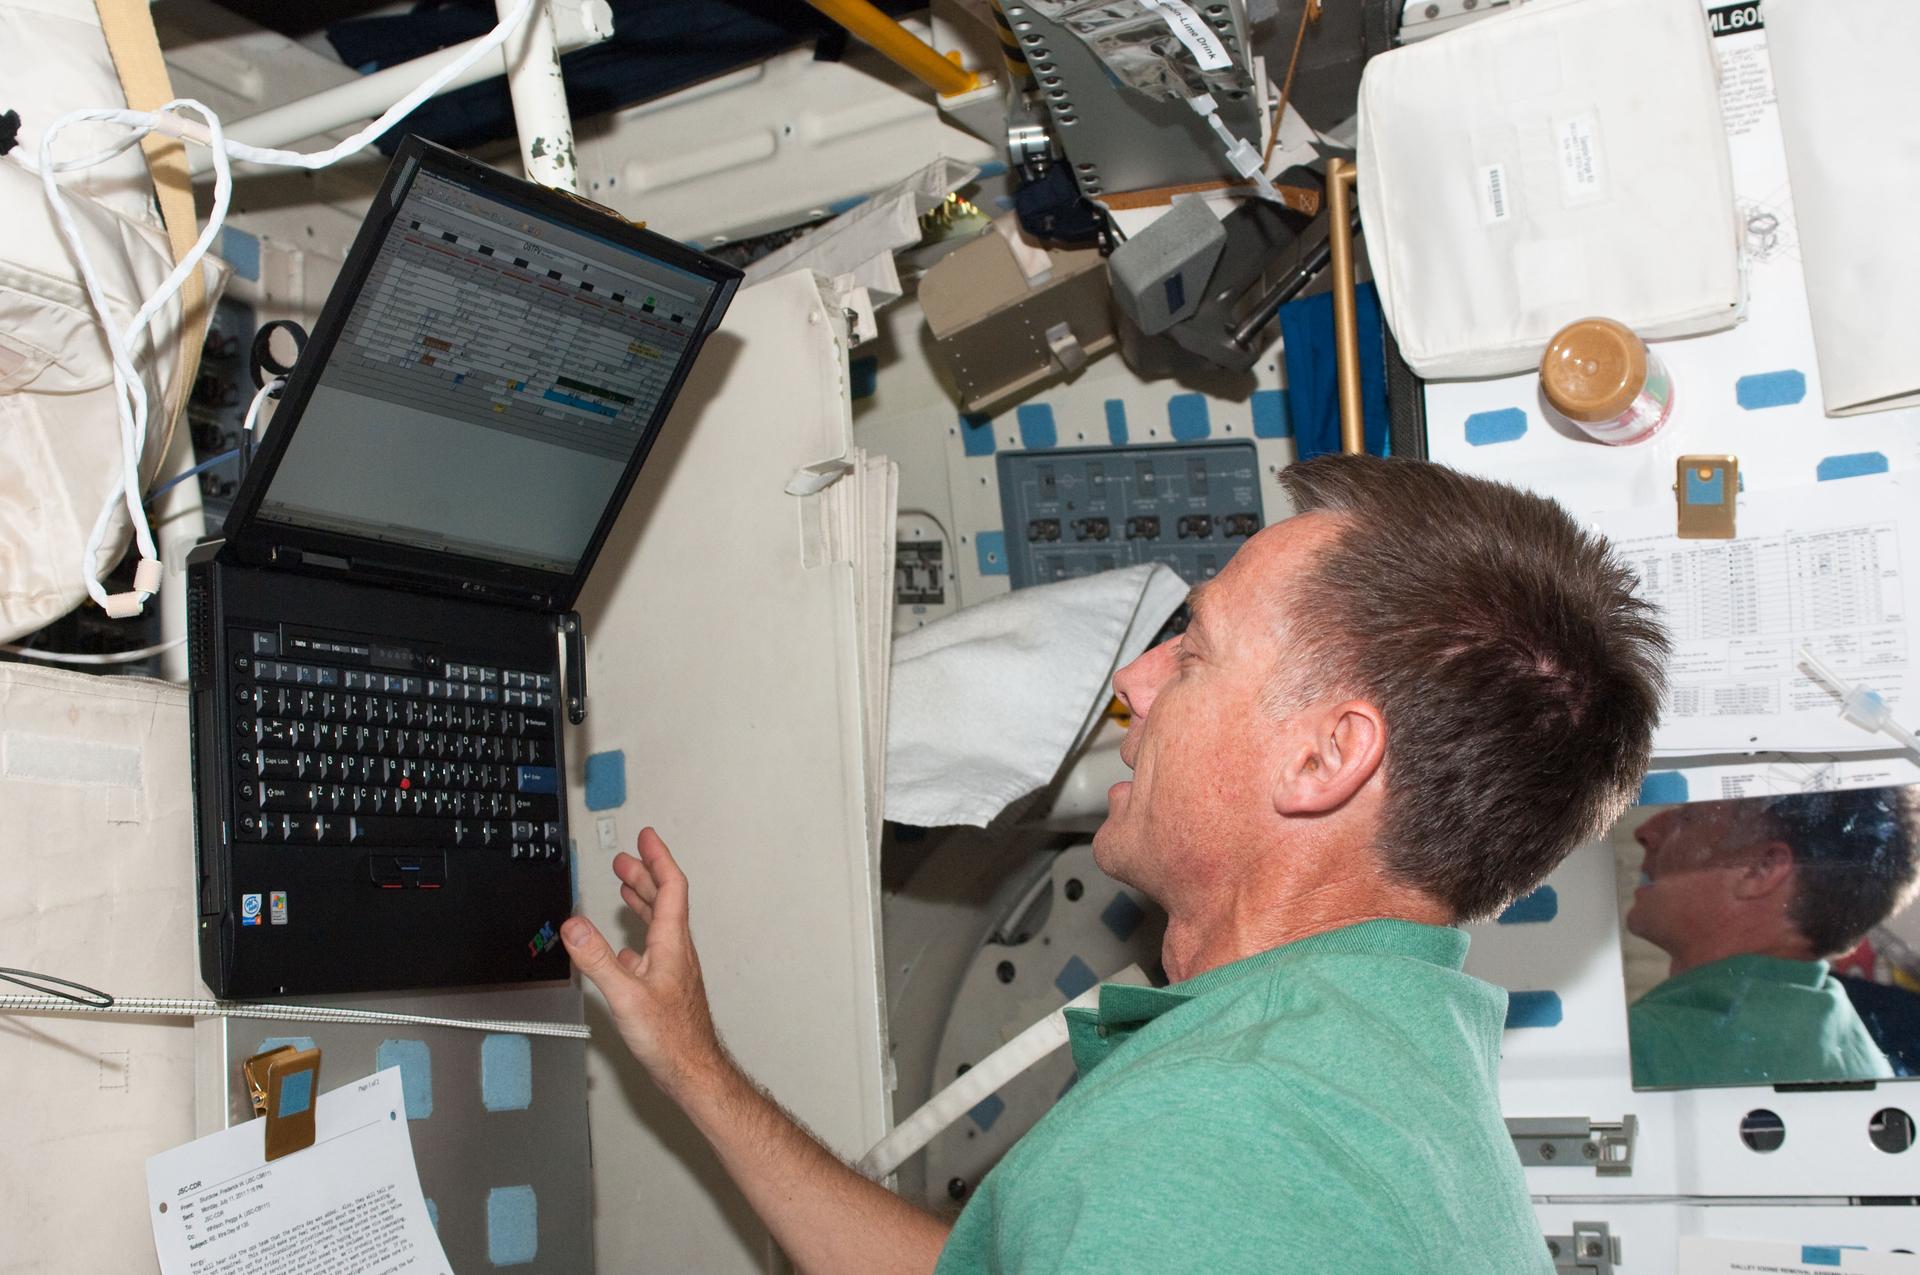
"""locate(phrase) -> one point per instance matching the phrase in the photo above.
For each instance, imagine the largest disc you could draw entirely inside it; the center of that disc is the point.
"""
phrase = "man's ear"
(1332, 752)
(1767, 869)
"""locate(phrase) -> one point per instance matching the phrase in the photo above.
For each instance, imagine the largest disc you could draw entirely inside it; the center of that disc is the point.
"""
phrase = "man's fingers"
(669, 921)
(592, 954)
(641, 908)
(634, 874)
(630, 961)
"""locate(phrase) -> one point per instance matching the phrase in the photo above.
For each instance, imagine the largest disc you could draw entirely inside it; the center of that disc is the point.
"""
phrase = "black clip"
(573, 666)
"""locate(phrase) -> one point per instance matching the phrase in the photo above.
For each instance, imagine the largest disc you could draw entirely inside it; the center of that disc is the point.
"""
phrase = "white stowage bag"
(97, 855)
(59, 433)
(1560, 160)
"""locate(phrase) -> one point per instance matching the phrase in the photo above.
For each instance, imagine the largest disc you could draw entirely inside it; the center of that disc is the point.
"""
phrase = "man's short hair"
(1853, 857)
(1519, 676)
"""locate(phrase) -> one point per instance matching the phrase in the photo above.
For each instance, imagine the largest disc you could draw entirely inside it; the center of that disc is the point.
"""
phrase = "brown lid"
(1593, 370)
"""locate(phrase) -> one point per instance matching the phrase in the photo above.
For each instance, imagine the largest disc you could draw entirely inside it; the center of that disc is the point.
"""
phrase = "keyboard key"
(550, 831)
(540, 779)
(387, 830)
(264, 643)
(286, 797)
(329, 677)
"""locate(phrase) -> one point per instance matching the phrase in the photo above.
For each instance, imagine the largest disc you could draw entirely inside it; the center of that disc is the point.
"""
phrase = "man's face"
(1201, 747)
(1688, 851)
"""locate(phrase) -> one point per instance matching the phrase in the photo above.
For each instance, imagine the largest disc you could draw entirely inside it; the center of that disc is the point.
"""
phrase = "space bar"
(390, 830)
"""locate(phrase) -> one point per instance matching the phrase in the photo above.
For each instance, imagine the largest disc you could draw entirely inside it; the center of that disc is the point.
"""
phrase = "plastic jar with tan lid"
(1604, 379)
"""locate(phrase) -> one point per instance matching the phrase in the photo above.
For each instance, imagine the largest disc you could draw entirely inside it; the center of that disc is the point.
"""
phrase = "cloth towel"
(989, 701)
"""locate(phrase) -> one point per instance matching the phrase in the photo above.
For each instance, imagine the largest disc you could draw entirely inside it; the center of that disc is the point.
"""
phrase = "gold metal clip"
(284, 1085)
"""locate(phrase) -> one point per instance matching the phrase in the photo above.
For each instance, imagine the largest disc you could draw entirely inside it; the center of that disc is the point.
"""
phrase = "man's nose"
(1139, 682)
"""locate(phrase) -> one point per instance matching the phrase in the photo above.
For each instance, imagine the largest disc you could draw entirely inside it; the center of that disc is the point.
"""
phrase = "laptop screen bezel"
(259, 540)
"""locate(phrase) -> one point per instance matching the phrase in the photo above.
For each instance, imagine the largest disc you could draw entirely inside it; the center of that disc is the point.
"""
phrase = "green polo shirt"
(1325, 1106)
(1750, 1020)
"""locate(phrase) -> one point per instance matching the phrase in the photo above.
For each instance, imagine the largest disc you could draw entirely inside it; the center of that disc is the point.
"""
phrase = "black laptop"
(383, 647)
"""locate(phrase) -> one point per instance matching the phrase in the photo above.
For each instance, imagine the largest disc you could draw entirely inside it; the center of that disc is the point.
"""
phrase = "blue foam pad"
(1122, 916)
(296, 1093)
(1116, 422)
(1534, 1009)
(1270, 418)
(1037, 432)
(607, 780)
(1852, 465)
(976, 434)
(506, 1073)
(513, 1225)
(1503, 426)
(1533, 909)
(414, 1058)
(1187, 417)
(987, 1110)
(1663, 788)
(1770, 389)
(1075, 977)
(992, 548)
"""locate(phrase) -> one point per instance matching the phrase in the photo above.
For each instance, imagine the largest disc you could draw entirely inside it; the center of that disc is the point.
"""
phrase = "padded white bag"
(1560, 160)
(59, 433)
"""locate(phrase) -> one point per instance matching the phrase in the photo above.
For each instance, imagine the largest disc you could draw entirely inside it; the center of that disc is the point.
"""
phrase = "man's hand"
(658, 999)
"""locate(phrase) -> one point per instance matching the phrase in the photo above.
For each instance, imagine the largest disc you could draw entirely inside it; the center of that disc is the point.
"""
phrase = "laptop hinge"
(573, 666)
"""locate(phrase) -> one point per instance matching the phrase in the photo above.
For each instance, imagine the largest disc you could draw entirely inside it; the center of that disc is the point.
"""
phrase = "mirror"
(1772, 940)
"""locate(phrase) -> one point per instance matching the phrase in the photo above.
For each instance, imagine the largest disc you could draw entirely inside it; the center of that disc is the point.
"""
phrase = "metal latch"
(1575, 1140)
(1590, 1250)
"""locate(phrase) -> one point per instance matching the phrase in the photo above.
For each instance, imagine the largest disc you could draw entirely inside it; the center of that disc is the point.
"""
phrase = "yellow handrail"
(900, 46)
(1346, 326)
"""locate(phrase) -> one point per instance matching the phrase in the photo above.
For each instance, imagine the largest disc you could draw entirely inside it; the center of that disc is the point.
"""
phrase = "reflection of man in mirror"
(1751, 899)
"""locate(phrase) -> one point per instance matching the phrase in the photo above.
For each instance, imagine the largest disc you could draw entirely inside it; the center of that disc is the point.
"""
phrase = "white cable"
(253, 409)
(169, 1007)
(130, 396)
(1861, 704)
(74, 657)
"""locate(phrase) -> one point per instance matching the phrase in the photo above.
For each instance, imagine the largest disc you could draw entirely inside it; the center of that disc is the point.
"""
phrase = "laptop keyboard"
(443, 755)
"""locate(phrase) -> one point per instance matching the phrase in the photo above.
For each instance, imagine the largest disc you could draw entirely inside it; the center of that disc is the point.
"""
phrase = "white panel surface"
(725, 672)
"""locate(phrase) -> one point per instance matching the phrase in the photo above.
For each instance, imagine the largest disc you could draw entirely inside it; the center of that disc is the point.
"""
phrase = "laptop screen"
(492, 382)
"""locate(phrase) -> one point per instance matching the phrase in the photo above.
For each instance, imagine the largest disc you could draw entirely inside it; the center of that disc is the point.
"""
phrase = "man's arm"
(824, 1215)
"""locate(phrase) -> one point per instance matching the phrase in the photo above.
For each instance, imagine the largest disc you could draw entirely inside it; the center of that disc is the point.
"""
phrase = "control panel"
(1077, 512)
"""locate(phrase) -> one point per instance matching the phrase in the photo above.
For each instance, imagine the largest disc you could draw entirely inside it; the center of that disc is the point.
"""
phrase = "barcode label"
(1494, 204)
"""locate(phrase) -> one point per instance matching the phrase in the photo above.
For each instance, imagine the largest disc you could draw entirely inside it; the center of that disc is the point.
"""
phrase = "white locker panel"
(725, 710)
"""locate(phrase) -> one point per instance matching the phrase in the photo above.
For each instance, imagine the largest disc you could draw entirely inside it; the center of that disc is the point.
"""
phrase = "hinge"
(1590, 1250)
(1574, 1140)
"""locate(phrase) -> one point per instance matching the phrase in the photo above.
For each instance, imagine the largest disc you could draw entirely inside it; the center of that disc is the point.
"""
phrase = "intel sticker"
(249, 909)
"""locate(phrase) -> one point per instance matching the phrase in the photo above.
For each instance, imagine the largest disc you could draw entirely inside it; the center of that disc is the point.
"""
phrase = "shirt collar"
(1125, 1009)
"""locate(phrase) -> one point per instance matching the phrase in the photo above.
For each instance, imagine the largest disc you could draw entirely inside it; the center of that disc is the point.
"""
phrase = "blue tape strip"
(1534, 1009)
(1534, 909)
(1075, 977)
(296, 1093)
(1820, 1255)
(992, 548)
(241, 251)
(513, 1225)
(1122, 916)
(414, 1058)
(1187, 417)
(433, 1215)
(992, 168)
(1116, 422)
(1852, 465)
(1663, 788)
(1770, 389)
(1037, 432)
(607, 780)
(839, 206)
(976, 434)
(1503, 426)
(506, 1072)
(986, 1111)
(1270, 416)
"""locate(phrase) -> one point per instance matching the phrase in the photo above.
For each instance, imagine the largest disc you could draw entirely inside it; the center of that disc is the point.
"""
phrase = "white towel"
(988, 702)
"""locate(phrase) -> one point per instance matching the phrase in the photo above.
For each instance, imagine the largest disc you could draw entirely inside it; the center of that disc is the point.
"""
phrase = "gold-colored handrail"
(900, 46)
(1346, 323)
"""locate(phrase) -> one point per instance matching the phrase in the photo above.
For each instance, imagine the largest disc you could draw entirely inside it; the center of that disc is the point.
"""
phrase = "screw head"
(1590, 1150)
(1548, 1151)
(1432, 11)
(957, 1189)
(1074, 889)
(1004, 971)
